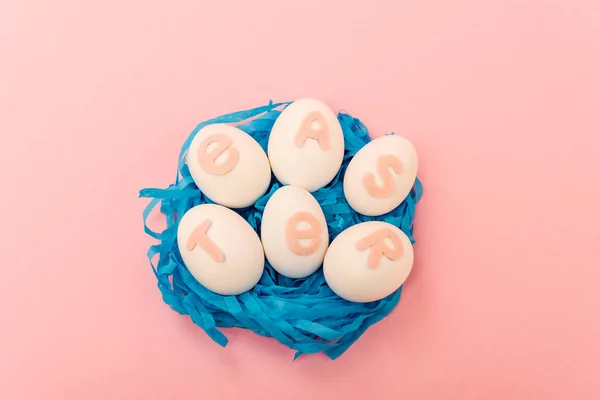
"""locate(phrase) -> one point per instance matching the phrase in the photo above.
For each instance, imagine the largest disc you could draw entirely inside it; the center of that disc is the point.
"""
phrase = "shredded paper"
(303, 314)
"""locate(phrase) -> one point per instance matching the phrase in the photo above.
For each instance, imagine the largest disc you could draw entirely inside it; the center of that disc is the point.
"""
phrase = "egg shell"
(289, 251)
(228, 165)
(347, 270)
(224, 254)
(379, 161)
(297, 158)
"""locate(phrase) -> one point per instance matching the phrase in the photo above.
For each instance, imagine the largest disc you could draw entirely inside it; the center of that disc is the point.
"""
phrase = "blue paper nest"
(303, 314)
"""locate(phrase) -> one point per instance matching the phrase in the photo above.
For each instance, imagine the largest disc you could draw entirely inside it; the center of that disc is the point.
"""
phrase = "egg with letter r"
(368, 261)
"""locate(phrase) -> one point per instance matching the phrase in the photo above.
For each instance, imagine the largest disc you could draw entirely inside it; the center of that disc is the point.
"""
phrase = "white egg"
(368, 261)
(220, 249)
(381, 175)
(306, 145)
(228, 165)
(294, 232)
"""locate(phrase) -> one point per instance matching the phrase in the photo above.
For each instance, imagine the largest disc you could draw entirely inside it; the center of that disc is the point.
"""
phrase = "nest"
(303, 314)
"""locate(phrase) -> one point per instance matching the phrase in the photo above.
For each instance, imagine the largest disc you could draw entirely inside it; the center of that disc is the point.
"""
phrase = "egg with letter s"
(306, 145)
(228, 165)
(294, 232)
(381, 175)
(368, 261)
(220, 249)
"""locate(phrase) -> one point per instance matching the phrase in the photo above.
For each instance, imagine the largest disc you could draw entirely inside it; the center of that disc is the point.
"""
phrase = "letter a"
(199, 237)
(384, 162)
(307, 130)
(378, 247)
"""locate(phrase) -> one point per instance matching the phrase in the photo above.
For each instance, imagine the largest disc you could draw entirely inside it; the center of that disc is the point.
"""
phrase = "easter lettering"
(313, 126)
(293, 234)
(384, 163)
(222, 250)
(379, 248)
(200, 238)
(208, 160)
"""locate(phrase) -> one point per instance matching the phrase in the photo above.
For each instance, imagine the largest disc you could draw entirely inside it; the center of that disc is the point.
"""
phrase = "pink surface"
(501, 99)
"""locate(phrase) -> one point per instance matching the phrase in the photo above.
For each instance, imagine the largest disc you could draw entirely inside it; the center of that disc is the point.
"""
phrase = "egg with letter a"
(306, 145)
(220, 249)
(368, 261)
(294, 232)
(228, 166)
(381, 175)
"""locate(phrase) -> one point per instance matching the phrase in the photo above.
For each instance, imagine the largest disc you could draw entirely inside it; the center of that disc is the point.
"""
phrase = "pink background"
(501, 98)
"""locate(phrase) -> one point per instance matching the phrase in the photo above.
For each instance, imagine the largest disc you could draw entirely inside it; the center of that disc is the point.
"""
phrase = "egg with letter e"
(220, 249)
(306, 145)
(381, 175)
(228, 165)
(294, 232)
(368, 261)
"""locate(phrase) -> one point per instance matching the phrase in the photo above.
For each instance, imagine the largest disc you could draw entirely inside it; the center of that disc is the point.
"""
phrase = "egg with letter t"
(220, 249)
